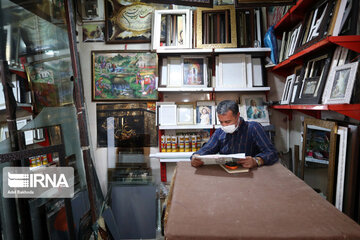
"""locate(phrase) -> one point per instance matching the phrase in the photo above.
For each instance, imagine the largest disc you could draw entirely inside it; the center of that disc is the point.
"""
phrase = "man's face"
(228, 118)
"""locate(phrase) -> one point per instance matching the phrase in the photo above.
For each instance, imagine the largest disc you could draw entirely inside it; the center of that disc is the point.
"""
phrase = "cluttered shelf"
(285, 67)
(350, 110)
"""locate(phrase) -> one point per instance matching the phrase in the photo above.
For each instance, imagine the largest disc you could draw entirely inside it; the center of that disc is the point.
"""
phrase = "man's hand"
(247, 162)
(195, 162)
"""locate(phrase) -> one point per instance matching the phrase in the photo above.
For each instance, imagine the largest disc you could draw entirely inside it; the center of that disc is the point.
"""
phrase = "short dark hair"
(227, 105)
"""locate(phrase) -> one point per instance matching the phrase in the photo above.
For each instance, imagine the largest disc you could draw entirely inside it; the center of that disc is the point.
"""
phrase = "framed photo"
(175, 72)
(129, 21)
(287, 93)
(252, 108)
(216, 27)
(341, 79)
(313, 81)
(194, 71)
(197, 3)
(205, 112)
(167, 115)
(177, 28)
(93, 32)
(124, 75)
(318, 156)
(231, 71)
(185, 113)
(223, 2)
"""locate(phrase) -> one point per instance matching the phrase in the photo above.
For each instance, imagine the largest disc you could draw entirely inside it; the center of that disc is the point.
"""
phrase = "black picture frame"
(256, 3)
(326, 8)
(316, 72)
(299, 75)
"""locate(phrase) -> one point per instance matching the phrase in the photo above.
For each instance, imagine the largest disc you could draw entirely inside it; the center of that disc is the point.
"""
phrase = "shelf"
(172, 155)
(350, 42)
(181, 51)
(294, 15)
(193, 89)
(242, 50)
(186, 127)
(314, 160)
(175, 160)
(254, 89)
(350, 110)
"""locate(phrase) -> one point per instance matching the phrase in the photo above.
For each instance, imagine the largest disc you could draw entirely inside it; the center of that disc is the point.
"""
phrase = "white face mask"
(229, 128)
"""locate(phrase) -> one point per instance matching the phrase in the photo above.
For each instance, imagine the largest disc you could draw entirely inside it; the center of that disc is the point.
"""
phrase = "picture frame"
(223, 2)
(257, 68)
(185, 113)
(288, 88)
(313, 81)
(93, 32)
(299, 74)
(318, 156)
(231, 71)
(342, 132)
(177, 28)
(194, 71)
(341, 81)
(163, 76)
(174, 72)
(221, 36)
(129, 21)
(317, 23)
(167, 114)
(252, 108)
(205, 113)
(199, 3)
(124, 75)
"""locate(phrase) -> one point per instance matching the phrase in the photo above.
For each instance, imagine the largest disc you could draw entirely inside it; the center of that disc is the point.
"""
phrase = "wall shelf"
(171, 155)
(350, 110)
(253, 89)
(193, 89)
(213, 50)
(180, 127)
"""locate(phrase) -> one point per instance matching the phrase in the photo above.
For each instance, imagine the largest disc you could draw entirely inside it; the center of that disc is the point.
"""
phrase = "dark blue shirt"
(249, 138)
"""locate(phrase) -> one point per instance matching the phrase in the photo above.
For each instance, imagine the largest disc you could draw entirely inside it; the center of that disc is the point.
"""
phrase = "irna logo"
(35, 180)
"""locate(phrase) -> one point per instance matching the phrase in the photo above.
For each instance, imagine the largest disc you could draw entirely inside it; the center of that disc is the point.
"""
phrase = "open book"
(220, 158)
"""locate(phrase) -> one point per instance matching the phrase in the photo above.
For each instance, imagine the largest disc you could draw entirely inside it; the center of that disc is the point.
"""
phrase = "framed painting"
(205, 112)
(318, 156)
(194, 71)
(252, 108)
(124, 75)
(341, 81)
(93, 32)
(129, 21)
(132, 126)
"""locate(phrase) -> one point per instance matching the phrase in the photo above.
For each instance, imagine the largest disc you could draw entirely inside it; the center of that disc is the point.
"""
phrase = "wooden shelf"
(213, 50)
(253, 89)
(350, 42)
(350, 110)
(172, 155)
(192, 89)
(181, 127)
(242, 50)
(181, 51)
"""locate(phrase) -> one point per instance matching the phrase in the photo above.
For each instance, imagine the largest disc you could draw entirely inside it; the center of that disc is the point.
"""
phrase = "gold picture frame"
(318, 166)
(227, 9)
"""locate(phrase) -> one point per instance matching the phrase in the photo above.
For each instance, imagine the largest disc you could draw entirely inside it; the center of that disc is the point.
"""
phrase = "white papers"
(220, 158)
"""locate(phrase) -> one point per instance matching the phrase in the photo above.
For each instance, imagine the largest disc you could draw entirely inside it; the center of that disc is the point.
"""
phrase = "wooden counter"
(266, 203)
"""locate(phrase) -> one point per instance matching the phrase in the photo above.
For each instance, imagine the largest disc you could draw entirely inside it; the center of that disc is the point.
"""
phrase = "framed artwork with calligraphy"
(131, 124)
(129, 21)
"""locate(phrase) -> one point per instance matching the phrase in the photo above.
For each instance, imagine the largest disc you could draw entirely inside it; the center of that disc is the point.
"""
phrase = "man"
(238, 136)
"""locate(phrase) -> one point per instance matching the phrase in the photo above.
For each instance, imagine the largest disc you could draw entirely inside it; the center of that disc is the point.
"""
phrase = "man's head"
(228, 113)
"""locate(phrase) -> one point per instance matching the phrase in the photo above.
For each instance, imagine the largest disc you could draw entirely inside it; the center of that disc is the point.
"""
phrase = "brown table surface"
(266, 203)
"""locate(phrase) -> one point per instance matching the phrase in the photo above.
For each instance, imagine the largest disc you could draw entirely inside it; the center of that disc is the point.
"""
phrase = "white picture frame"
(232, 71)
(339, 195)
(164, 73)
(167, 114)
(288, 88)
(257, 75)
(341, 83)
(185, 114)
(249, 71)
(194, 71)
(175, 19)
(174, 72)
(252, 108)
(205, 113)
